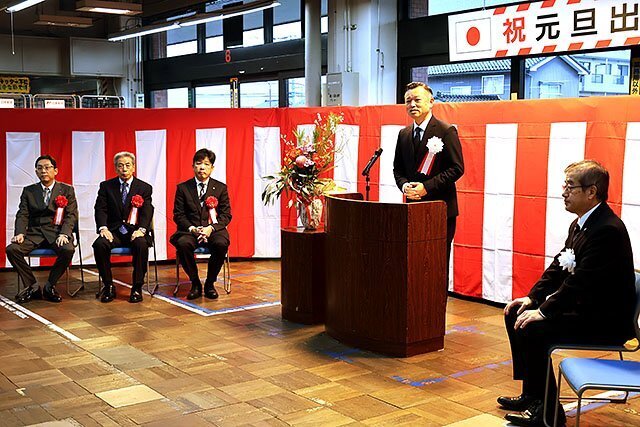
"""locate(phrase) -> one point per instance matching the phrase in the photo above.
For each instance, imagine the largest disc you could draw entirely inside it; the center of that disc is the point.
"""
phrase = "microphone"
(372, 161)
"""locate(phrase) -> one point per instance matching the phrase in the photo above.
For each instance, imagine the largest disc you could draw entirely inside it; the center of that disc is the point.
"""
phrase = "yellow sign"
(635, 77)
(14, 85)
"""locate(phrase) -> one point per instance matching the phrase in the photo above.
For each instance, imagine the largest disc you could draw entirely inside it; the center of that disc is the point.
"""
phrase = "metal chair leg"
(226, 274)
(175, 290)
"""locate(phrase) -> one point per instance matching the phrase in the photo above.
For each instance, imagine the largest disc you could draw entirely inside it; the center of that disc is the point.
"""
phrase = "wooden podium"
(386, 274)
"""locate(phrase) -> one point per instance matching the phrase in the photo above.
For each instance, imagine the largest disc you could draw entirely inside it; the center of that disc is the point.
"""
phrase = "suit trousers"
(17, 252)
(530, 347)
(186, 243)
(140, 251)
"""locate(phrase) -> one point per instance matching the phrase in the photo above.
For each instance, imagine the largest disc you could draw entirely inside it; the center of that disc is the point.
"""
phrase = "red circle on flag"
(473, 36)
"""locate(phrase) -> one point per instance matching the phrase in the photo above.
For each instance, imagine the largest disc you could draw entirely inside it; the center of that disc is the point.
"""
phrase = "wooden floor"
(234, 361)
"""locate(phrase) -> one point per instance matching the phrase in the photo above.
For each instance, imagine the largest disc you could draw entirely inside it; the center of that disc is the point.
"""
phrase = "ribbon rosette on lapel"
(61, 203)
(136, 202)
(435, 145)
(567, 260)
(212, 203)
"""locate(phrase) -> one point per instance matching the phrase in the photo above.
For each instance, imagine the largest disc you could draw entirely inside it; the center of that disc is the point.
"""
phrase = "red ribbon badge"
(136, 202)
(212, 203)
(61, 203)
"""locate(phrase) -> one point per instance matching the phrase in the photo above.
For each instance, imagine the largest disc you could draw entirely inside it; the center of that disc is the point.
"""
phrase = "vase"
(311, 213)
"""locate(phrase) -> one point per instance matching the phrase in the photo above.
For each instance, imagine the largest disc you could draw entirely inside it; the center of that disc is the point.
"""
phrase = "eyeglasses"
(44, 168)
(569, 188)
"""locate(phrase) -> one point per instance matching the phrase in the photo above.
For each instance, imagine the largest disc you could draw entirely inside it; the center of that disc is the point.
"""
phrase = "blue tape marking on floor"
(342, 355)
(427, 381)
(218, 311)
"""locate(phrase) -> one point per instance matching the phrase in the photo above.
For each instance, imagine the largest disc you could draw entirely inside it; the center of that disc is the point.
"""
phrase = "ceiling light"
(143, 31)
(18, 5)
(114, 7)
(230, 12)
(64, 21)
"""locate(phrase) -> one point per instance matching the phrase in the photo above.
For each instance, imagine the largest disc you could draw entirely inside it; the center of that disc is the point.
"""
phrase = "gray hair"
(124, 154)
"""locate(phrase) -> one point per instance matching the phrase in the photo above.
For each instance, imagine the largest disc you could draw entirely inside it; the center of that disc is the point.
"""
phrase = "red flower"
(61, 201)
(211, 202)
(137, 201)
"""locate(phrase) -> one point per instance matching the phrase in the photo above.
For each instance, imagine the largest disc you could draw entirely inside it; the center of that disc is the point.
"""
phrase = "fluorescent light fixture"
(64, 21)
(230, 12)
(143, 31)
(198, 18)
(18, 5)
(113, 7)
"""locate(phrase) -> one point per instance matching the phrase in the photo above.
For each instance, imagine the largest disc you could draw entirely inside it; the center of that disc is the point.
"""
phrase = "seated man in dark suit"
(202, 211)
(123, 212)
(586, 296)
(46, 217)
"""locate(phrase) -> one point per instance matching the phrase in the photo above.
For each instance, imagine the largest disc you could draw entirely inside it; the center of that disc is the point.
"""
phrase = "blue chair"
(579, 371)
(202, 252)
(126, 251)
(50, 253)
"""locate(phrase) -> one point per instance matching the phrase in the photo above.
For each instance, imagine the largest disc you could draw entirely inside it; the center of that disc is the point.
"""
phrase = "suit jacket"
(602, 286)
(110, 213)
(447, 167)
(187, 211)
(35, 220)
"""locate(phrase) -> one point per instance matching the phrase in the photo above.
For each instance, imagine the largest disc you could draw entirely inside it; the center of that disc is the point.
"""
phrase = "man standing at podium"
(428, 159)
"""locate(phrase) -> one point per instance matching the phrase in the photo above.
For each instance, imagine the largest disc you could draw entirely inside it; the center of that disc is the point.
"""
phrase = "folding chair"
(620, 349)
(50, 253)
(127, 251)
(202, 252)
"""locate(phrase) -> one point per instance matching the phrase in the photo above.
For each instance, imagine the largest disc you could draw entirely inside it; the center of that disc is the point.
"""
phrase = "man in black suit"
(428, 159)
(586, 296)
(123, 213)
(201, 225)
(43, 222)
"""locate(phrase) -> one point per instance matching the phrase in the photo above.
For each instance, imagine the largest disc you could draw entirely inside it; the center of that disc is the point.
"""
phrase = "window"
(492, 85)
(170, 98)
(213, 31)
(466, 81)
(296, 96)
(182, 41)
(550, 90)
(437, 7)
(218, 96)
(259, 94)
(286, 21)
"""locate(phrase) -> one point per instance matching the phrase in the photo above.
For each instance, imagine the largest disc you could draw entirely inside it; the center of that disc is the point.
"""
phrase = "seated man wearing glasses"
(586, 296)
(47, 214)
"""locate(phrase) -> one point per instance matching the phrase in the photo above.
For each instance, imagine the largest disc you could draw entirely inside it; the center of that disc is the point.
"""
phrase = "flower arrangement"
(305, 159)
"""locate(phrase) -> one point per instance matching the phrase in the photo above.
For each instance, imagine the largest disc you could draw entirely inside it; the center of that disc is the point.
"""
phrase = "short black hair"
(204, 153)
(414, 85)
(47, 157)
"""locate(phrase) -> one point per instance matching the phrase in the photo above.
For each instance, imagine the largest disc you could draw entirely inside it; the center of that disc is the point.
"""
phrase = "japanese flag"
(473, 35)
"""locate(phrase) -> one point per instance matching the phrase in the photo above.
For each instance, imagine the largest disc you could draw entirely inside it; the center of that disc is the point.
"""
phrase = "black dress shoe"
(210, 291)
(518, 403)
(50, 294)
(136, 294)
(28, 294)
(534, 416)
(108, 293)
(195, 292)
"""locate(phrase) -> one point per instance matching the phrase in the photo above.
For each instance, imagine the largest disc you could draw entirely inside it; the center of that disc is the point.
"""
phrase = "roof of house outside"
(499, 65)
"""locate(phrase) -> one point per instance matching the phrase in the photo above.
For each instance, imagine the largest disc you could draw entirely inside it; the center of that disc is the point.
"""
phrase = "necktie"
(47, 196)
(201, 192)
(576, 233)
(125, 191)
(417, 139)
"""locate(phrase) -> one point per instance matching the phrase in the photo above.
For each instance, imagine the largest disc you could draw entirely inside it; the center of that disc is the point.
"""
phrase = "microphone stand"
(367, 170)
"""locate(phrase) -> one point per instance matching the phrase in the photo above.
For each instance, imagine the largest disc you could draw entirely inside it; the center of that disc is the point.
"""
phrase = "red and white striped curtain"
(512, 218)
